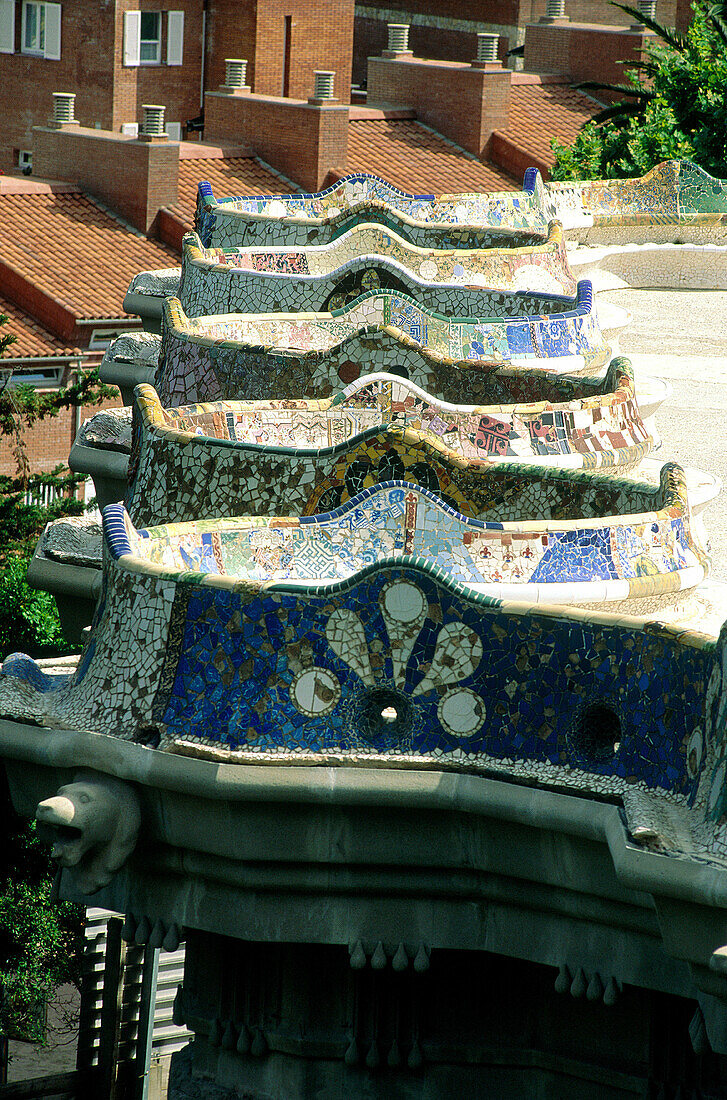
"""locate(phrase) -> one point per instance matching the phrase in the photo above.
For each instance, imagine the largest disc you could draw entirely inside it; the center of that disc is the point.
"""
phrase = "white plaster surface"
(681, 335)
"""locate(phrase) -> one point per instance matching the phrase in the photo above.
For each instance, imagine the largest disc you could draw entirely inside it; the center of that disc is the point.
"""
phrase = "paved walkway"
(681, 335)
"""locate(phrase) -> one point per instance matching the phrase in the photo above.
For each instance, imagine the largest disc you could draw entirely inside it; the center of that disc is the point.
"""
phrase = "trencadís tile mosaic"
(302, 355)
(368, 257)
(487, 220)
(306, 457)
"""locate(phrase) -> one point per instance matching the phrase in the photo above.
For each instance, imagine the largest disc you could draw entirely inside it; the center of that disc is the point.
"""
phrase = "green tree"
(674, 106)
(28, 619)
(37, 935)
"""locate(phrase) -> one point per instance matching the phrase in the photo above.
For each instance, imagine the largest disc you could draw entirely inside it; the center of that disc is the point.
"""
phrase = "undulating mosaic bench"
(675, 201)
(674, 193)
(471, 220)
(266, 457)
(243, 644)
(367, 257)
(298, 355)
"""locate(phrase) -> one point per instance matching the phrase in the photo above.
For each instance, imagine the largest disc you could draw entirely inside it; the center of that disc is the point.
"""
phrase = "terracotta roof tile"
(76, 252)
(31, 338)
(539, 112)
(418, 160)
(228, 176)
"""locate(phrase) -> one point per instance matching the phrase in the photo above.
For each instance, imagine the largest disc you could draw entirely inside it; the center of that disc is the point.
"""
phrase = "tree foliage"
(673, 106)
(37, 935)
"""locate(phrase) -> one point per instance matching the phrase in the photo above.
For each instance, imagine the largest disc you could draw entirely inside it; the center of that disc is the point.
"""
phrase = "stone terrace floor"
(680, 335)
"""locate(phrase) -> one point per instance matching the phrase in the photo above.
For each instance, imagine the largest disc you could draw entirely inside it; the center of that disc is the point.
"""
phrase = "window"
(143, 37)
(33, 28)
(41, 30)
(25, 160)
(150, 38)
(7, 26)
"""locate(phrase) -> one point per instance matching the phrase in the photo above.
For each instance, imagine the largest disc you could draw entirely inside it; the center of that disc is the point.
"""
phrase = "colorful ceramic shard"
(244, 642)
(674, 193)
(306, 457)
(490, 220)
(240, 356)
(368, 257)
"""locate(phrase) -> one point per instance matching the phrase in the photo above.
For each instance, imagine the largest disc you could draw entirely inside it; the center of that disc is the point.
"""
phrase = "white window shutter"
(7, 26)
(132, 37)
(52, 51)
(175, 37)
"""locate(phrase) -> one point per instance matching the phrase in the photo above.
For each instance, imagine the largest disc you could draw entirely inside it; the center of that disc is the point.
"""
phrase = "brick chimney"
(304, 139)
(133, 177)
(464, 101)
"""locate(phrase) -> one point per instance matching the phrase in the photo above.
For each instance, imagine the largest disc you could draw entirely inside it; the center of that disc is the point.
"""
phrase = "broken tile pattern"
(254, 355)
(672, 193)
(371, 633)
(475, 220)
(397, 662)
(566, 529)
(325, 277)
(265, 458)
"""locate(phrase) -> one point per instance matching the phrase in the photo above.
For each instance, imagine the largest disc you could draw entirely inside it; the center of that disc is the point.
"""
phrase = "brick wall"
(176, 86)
(109, 94)
(230, 32)
(49, 441)
(133, 177)
(320, 37)
(302, 140)
(446, 29)
(583, 52)
(602, 11)
(86, 61)
(464, 103)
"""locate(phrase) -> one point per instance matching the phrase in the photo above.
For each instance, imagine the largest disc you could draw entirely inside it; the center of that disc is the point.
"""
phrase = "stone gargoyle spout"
(93, 824)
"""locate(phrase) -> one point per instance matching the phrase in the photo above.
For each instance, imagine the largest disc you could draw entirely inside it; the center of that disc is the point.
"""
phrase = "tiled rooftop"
(539, 112)
(75, 252)
(418, 160)
(31, 338)
(228, 176)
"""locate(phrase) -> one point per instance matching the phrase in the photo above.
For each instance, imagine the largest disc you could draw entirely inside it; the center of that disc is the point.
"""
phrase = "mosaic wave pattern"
(367, 257)
(263, 458)
(675, 192)
(611, 539)
(592, 414)
(479, 220)
(255, 355)
(396, 663)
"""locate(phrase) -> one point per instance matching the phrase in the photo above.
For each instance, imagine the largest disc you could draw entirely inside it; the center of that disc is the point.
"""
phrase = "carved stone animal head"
(93, 824)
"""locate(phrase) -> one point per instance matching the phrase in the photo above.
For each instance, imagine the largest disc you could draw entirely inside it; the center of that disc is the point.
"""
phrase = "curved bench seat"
(308, 457)
(243, 643)
(297, 355)
(474, 220)
(367, 257)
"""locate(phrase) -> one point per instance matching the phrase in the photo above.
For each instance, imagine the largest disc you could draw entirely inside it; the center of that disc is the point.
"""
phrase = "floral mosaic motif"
(373, 666)
(457, 654)
(304, 457)
(253, 355)
(367, 257)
